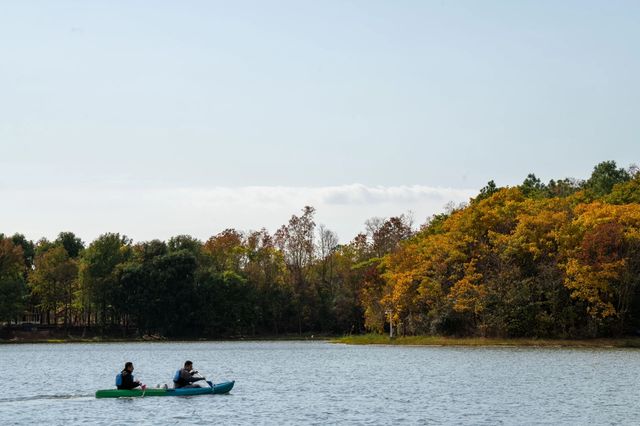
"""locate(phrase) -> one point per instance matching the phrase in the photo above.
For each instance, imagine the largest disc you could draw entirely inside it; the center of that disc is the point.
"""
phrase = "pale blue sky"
(104, 99)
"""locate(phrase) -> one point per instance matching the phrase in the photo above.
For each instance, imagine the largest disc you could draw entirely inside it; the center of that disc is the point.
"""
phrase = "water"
(322, 383)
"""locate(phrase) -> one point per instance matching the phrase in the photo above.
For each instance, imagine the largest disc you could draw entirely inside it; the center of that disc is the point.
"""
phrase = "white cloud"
(146, 213)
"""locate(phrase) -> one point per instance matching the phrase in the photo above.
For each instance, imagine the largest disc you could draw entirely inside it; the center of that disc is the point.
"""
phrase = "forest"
(554, 260)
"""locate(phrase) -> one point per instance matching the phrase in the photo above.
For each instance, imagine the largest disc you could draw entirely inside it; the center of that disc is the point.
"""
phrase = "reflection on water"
(321, 383)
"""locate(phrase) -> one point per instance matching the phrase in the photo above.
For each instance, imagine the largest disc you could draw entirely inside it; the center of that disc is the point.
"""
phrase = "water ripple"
(292, 383)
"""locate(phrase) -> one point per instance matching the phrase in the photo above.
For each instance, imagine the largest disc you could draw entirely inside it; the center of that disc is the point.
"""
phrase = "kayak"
(224, 387)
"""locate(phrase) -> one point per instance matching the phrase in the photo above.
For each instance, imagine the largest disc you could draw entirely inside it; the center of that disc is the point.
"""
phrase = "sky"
(159, 118)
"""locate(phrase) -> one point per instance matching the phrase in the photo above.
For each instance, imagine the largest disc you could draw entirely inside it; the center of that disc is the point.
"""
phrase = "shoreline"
(377, 339)
(365, 339)
(71, 340)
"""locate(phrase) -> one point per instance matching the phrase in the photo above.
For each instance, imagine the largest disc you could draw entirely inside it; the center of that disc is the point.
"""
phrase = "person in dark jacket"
(125, 380)
(187, 377)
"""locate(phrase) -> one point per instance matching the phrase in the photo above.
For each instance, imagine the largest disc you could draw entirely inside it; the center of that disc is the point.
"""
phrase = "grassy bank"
(378, 339)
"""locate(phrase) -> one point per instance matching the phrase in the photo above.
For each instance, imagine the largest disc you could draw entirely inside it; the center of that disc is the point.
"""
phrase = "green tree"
(12, 286)
(54, 283)
(12, 298)
(347, 306)
(42, 245)
(267, 273)
(625, 192)
(185, 242)
(72, 244)
(159, 293)
(326, 277)
(146, 251)
(605, 175)
(533, 187)
(296, 241)
(487, 191)
(563, 187)
(98, 274)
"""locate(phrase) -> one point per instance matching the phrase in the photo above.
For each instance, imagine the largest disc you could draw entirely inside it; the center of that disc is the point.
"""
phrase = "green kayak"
(224, 387)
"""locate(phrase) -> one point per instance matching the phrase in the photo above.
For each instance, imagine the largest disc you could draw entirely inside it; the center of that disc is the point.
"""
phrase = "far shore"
(364, 339)
(155, 339)
(378, 339)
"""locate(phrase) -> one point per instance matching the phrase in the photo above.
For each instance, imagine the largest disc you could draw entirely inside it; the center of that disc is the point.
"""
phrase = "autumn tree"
(225, 251)
(384, 239)
(28, 251)
(603, 262)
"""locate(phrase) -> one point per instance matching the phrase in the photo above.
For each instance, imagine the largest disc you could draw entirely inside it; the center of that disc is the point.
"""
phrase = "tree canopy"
(556, 259)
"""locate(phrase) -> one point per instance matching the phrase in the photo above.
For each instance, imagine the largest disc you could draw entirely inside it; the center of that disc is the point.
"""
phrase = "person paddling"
(187, 377)
(125, 380)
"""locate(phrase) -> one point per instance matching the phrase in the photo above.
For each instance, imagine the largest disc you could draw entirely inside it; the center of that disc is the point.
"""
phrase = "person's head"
(128, 366)
(188, 365)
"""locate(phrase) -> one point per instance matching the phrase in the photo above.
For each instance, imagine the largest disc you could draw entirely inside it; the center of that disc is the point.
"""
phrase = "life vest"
(176, 377)
(119, 379)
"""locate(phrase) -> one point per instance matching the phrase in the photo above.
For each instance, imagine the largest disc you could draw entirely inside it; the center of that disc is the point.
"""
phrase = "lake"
(324, 383)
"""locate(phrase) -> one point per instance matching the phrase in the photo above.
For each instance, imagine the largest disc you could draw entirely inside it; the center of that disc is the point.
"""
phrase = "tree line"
(556, 259)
